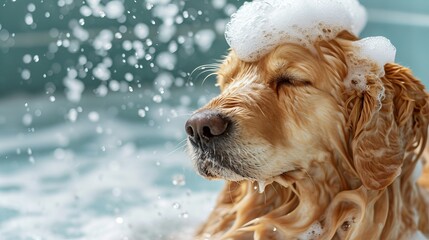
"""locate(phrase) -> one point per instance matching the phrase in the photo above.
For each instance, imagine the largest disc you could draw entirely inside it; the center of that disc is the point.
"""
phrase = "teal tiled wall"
(406, 24)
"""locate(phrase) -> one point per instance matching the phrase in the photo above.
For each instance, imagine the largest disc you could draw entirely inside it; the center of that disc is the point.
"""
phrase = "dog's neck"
(325, 202)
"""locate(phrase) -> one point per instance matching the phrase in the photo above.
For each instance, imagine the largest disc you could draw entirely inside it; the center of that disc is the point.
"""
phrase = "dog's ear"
(388, 119)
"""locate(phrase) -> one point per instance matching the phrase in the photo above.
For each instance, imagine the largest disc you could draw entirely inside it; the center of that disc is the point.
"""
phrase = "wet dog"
(338, 163)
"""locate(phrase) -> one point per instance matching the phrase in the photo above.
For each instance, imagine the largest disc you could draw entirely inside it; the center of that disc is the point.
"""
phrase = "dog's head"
(294, 107)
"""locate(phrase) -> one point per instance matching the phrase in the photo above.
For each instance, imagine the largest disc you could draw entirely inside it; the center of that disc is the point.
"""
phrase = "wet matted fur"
(339, 159)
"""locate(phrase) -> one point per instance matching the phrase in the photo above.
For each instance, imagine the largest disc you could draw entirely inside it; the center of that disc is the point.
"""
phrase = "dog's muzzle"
(208, 132)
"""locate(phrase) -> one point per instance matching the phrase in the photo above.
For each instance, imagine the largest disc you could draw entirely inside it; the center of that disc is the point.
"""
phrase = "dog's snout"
(205, 125)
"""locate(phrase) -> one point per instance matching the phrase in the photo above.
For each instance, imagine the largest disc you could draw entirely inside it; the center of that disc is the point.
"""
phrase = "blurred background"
(93, 99)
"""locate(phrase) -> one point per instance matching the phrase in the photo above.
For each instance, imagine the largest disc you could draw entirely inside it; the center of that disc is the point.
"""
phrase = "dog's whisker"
(211, 67)
(204, 80)
(181, 145)
(211, 73)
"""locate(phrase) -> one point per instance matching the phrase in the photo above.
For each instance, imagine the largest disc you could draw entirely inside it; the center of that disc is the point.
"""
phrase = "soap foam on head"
(259, 26)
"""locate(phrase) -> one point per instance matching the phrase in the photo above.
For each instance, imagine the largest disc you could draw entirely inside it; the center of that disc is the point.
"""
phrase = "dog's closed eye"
(284, 80)
(290, 81)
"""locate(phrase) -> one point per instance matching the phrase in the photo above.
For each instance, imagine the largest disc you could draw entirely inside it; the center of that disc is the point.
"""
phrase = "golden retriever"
(339, 163)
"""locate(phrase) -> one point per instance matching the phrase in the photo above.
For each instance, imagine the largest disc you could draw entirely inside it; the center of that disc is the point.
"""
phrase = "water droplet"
(141, 30)
(28, 19)
(129, 77)
(114, 9)
(176, 205)
(157, 98)
(179, 180)
(31, 7)
(142, 113)
(26, 58)
(25, 74)
(346, 225)
(185, 14)
(114, 85)
(99, 130)
(119, 220)
(118, 35)
(184, 215)
(27, 119)
(72, 115)
(93, 116)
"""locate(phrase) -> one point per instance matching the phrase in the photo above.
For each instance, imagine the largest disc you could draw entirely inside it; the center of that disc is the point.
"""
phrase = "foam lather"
(259, 26)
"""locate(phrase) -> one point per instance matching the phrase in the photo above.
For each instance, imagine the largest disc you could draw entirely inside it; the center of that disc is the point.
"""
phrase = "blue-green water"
(109, 174)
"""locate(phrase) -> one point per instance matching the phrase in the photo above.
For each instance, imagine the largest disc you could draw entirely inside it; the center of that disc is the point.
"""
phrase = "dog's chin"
(211, 170)
(217, 164)
(222, 164)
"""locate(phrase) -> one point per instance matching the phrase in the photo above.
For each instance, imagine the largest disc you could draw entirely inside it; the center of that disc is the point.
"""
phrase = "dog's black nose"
(204, 125)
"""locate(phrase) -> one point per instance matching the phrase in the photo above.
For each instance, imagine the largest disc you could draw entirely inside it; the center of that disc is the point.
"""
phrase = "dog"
(337, 163)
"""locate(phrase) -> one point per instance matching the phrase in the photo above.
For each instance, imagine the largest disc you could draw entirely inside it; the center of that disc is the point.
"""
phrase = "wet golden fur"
(335, 155)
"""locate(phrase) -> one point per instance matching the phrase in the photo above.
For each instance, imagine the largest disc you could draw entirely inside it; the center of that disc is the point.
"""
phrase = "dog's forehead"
(290, 60)
(246, 80)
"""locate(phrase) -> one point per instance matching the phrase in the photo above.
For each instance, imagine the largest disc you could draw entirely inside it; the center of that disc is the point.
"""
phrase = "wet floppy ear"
(377, 148)
(387, 120)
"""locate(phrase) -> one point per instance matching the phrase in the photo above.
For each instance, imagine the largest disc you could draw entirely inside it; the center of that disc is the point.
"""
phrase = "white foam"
(313, 232)
(369, 57)
(378, 49)
(259, 26)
